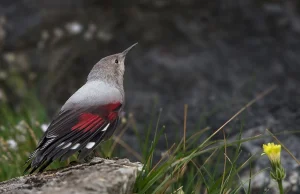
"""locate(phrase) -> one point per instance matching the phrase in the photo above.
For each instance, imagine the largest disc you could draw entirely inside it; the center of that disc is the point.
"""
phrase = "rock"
(98, 176)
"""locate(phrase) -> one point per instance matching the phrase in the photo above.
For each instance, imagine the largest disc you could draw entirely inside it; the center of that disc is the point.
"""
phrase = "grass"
(188, 166)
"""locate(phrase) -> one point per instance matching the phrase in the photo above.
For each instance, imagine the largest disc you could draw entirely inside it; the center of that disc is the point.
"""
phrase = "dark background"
(213, 55)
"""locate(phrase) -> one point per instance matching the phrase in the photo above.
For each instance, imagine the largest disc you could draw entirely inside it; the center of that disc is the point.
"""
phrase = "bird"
(87, 118)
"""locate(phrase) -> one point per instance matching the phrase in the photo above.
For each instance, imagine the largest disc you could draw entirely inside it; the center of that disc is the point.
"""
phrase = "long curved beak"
(128, 49)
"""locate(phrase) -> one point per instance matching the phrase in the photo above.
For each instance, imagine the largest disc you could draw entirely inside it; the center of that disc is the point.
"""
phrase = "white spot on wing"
(51, 135)
(61, 144)
(47, 143)
(75, 146)
(106, 127)
(90, 145)
(67, 145)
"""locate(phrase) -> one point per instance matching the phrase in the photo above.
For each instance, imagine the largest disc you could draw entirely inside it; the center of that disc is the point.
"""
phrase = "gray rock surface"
(99, 176)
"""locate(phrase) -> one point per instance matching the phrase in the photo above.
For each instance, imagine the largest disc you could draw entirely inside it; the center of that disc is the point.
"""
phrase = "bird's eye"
(116, 61)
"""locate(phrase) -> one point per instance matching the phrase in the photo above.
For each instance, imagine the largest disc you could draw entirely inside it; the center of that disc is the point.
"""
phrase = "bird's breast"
(94, 93)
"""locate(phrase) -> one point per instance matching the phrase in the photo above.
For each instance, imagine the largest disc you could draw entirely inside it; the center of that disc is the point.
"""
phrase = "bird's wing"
(75, 129)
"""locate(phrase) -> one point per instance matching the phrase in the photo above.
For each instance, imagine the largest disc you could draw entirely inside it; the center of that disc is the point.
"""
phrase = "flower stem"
(280, 186)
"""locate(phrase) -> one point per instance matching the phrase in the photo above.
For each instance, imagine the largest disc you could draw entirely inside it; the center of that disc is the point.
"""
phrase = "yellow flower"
(273, 152)
(277, 171)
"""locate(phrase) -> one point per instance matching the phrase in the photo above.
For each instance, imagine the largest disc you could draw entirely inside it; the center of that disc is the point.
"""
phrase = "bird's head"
(111, 68)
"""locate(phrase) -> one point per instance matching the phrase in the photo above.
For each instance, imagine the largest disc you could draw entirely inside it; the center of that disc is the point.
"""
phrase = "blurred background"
(213, 55)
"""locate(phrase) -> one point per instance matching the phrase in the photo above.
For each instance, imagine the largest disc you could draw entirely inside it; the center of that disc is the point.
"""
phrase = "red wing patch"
(112, 116)
(87, 121)
(92, 121)
(110, 107)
